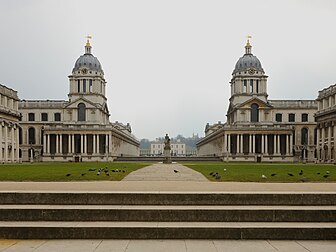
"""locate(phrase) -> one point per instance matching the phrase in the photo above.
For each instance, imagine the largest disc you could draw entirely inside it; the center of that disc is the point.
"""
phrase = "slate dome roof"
(248, 61)
(89, 61)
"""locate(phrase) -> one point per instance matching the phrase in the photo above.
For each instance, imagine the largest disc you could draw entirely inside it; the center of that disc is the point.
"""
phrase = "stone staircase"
(105, 215)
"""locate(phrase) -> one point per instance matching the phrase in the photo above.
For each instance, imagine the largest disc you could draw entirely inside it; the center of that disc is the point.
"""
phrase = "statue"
(167, 142)
(166, 150)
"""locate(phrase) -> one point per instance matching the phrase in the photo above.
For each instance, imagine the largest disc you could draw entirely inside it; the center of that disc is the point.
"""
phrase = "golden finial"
(88, 40)
(248, 40)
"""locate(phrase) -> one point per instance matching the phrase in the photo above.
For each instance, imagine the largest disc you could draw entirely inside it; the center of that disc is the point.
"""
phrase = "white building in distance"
(177, 148)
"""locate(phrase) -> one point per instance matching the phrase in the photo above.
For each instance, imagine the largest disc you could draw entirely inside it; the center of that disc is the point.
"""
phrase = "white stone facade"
(78, 129)
(259, 129)
(326, 125)
(9, 124)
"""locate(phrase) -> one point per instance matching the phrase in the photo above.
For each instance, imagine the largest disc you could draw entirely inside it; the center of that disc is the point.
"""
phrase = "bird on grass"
(290, 174)
(211, 173)
(107, 174)
(327, 172)
(98, 173)
(123, 171)
(318, 173)
(224, 169)
(92, 169)
(83, 174)
(176, 171)
(326, 176)
(68, 175)
(301, 172)
(218, 177)
(304, 180)
(273, 174)
(113, 170)
(263, 176)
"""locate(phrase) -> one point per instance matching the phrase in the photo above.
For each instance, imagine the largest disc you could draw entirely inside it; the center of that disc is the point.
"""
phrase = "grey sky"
(168, 63)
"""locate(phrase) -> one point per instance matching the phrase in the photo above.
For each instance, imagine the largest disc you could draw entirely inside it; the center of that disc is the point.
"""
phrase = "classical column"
(73, 143)
(44, 143)
(250, 143)
(6, 144)
(94, 144)
(69, 144)
(61, 143)
(318, 147)
(1, 157)
(287, 145)
(266, 144)
(12, 140)
(278, 142)
(85, 143)
(323, 139)
(253, 144)
(48, 143)
(241, 143)
(224, 144)
(329, 143)
(57, 144)
(229, 143)
(17, 144)
(238, 144)
(262, 144)
(98, 149)
(291, 144)
(110, 143)
(106, 143)
(82, 143)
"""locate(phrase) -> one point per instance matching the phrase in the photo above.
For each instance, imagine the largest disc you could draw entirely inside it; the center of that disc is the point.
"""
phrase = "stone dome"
(88, 61)
(248, 61)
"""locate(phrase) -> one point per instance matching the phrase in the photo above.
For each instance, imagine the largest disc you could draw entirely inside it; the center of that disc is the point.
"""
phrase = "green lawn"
(252, 172)
(59, 171)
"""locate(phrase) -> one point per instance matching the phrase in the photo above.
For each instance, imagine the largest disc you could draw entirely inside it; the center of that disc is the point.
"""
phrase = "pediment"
(74, 104)
(254, 100)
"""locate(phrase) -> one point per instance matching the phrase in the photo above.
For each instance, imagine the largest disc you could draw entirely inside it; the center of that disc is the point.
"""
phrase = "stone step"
(145, 198)
(167, 230)
(168, 213)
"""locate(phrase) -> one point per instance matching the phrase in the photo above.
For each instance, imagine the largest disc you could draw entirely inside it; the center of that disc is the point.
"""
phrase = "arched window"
(31, 136)
(254, 113)
(81, 112)
(304, 136)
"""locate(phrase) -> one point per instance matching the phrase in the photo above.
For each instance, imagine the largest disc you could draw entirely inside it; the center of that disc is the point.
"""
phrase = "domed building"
(78, 129)
(258, 129)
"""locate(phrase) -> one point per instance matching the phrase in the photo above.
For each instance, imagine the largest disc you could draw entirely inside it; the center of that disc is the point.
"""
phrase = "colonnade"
(258, 143)
(326, 143)
(9, 142)
(77, 143)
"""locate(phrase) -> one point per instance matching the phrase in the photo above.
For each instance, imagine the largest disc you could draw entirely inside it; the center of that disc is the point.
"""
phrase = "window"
(257, 86)
(78, 85)
(84, 86)
(254, 112)
(251, 86)
(31, 117)
(304, 136)
(304, 117)
(291, 117)
(278, 117)
(31, 136)
(81, 112)
(57, 117)
(44, 117)
(245, 86)
(90, 86)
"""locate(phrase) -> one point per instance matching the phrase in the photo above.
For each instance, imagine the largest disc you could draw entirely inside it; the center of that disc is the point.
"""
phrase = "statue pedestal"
(167, 157)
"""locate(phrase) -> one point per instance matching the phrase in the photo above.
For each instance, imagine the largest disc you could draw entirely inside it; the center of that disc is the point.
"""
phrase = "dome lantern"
(88, 45)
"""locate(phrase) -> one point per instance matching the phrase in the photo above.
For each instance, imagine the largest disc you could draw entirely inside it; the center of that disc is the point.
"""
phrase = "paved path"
(165, 172)
(165, 246)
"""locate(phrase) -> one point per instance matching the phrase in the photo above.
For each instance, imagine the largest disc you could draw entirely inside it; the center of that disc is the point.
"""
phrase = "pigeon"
(304, 180)
(263, 176)
(92, 169)
(290, 174)
(107, 174)
(83, 174)
(116, 170)
(326, 176)
(318, 173)
(123, 171)
(113, 170)
(218, 177)
(98, 173)
(224, 169)
(211, 173)
(68, 175)
(273, 174)
(176, 171)
(327, 172)
(301, 172)
(106, 170)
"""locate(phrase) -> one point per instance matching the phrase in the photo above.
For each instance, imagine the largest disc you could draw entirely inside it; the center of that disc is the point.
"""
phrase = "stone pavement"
(165, 246)
(165, 172)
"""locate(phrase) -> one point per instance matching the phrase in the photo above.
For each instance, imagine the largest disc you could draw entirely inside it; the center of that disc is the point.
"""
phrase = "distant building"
(10, 129)
(259, 129)
(326, 125)
(177, 148)
(77, 129)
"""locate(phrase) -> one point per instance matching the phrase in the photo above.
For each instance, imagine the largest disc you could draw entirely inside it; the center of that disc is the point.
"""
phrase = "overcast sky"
(167, 63)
